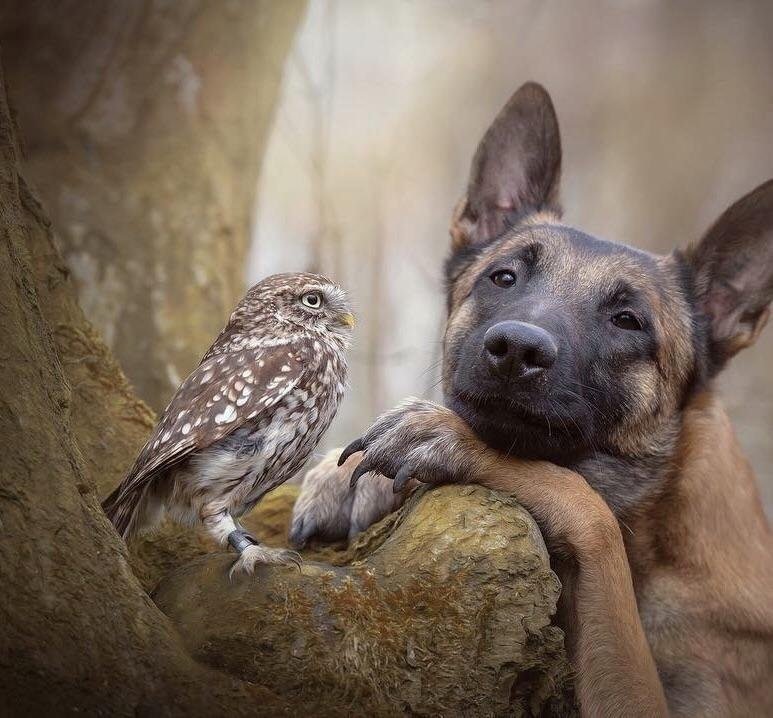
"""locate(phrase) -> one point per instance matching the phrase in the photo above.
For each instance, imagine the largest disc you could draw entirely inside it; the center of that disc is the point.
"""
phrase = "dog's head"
(559, 344)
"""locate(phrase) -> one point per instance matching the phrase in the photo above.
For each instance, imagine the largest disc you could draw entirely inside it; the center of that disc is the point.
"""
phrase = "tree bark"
(144, 126)
(78, 632)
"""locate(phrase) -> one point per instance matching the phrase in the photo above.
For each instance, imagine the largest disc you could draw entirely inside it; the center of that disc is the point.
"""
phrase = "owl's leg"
(219, 524)
(224, 529)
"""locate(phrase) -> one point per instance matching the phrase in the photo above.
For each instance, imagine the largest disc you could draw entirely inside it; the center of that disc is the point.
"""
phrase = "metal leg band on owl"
(240, 540)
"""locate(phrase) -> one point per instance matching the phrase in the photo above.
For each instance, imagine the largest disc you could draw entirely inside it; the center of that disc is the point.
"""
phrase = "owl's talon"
(353, 448)
(256, 555)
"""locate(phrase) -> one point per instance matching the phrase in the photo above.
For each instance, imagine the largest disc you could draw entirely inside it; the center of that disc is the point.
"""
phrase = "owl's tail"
(132, 513)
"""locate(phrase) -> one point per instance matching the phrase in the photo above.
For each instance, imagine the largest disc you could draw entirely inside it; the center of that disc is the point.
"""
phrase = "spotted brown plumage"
(247, 417)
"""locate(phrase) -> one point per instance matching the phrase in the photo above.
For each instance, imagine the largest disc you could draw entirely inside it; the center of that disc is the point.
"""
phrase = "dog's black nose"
(518, 350)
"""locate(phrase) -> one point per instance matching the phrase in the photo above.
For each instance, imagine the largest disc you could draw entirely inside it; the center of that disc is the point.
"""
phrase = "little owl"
(246, 419)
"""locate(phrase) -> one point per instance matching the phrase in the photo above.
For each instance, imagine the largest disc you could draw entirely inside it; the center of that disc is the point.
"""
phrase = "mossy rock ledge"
(443, 608)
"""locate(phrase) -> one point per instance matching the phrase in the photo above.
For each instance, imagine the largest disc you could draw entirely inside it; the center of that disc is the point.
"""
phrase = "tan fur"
(686, 582)
(701, 569)
(703, 551)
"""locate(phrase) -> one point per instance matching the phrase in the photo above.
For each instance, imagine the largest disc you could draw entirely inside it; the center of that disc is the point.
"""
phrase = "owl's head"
(296, 301)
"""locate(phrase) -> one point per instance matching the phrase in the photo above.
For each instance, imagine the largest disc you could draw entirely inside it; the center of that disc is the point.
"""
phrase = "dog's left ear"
(733, 274)
(516, 169)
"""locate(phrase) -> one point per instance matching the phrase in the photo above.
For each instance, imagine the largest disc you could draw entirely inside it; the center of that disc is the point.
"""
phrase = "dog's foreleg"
(615, 670)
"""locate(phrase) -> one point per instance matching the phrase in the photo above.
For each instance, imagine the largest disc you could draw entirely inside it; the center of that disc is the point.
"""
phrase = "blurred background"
(187, 149)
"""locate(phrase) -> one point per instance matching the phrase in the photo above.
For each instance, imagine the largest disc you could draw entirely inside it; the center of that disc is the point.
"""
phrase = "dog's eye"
(503, 278)
(627, 320)
(313, 300)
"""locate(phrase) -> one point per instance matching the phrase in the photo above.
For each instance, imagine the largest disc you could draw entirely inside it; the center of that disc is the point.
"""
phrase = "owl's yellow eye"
(313, 300)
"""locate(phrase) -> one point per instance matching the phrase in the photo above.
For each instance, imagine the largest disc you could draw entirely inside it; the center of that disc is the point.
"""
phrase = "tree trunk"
(144, 126)
(78, 632)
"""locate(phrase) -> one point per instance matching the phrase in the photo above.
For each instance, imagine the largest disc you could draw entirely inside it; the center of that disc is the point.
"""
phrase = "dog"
(578, 375)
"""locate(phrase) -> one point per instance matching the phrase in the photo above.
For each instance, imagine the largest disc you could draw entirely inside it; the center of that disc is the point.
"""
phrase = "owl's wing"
(223, 392)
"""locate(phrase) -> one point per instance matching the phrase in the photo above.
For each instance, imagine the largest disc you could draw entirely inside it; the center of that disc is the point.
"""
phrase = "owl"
(246, 419)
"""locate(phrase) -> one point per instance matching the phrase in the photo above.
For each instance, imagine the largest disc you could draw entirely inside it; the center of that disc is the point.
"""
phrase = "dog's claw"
(402, 478)
(362, 468)
(353, 448)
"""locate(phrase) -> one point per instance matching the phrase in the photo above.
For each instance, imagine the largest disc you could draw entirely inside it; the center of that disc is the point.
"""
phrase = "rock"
(443, 607)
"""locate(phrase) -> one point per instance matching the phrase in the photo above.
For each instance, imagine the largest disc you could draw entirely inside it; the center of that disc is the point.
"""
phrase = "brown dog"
(592, 363)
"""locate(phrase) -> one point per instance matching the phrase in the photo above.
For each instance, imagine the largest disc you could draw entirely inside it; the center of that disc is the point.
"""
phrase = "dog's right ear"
(516, 169)
(732, 268)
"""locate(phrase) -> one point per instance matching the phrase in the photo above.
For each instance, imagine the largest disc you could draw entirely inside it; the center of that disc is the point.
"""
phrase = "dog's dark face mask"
(563, 342)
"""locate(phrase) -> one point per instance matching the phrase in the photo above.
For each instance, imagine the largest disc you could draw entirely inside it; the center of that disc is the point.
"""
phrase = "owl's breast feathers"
(297, 382)
(297, 422)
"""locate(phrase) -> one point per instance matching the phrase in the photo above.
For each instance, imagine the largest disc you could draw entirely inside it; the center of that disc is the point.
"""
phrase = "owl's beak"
(348, 320)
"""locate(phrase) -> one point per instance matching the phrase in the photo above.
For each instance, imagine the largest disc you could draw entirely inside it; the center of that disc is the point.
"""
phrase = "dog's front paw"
(420, 440)
(323, 508)
(329, 509)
